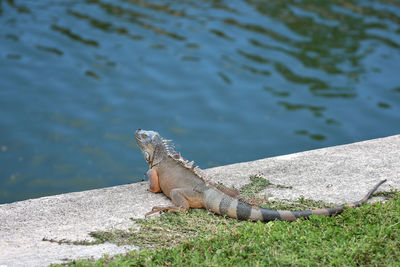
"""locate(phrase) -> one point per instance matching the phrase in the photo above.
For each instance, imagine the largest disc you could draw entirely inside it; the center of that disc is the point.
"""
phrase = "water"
(229, 81)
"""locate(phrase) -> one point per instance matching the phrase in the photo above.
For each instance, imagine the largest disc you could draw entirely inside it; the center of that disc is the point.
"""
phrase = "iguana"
(184, 184)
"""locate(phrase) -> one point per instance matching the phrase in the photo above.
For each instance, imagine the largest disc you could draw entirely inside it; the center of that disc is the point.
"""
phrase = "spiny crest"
(170, 148)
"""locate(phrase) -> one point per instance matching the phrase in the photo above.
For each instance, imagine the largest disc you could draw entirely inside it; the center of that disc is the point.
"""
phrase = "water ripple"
(230, 81)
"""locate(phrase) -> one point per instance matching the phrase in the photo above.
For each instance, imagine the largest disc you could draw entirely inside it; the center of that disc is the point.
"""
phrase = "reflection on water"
(230, 81)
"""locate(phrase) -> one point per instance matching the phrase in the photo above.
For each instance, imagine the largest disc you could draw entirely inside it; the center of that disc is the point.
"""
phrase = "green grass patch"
(256, 185)
(300, 204)
(170, 229)
(367, 236)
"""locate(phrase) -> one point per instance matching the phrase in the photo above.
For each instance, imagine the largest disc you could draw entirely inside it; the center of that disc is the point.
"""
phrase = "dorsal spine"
(170, 149)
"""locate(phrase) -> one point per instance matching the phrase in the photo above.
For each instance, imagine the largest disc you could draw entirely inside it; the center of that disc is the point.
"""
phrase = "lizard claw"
(156, 209)
(149, 213)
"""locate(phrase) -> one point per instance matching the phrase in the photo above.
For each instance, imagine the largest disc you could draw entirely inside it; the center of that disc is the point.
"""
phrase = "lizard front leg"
(182, 199)
(154, 182)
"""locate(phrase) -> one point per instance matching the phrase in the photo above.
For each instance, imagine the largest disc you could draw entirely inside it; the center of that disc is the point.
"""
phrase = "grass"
(256, 185)
(169, 230)
(368, 235)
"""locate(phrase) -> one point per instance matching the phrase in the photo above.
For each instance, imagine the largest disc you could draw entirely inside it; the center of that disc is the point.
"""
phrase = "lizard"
(187, 187)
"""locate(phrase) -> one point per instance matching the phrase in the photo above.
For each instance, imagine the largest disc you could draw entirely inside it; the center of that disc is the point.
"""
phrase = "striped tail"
(223, 204)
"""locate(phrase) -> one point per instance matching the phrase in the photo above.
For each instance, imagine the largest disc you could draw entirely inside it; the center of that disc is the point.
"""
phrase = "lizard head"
(152, 146)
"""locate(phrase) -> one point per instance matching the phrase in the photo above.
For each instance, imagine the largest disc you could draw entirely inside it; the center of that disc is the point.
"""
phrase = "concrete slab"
(335, 174)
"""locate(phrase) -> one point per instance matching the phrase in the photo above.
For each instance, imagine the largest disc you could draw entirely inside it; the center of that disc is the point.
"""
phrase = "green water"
(229, 81)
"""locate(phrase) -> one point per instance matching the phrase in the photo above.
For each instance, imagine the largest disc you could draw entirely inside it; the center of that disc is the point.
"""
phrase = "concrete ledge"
(335, 174)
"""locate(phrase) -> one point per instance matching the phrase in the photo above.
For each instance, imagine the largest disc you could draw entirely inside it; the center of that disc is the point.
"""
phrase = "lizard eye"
(144, 136)
(147, 156)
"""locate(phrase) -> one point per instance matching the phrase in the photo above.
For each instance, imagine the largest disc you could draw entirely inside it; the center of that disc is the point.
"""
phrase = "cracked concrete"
(335, 174)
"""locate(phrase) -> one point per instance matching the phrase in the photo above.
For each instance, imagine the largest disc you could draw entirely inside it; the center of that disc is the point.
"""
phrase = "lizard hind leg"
(180, 199)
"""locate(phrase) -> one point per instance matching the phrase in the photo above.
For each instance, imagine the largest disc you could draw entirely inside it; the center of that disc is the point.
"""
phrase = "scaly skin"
(174, 176)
